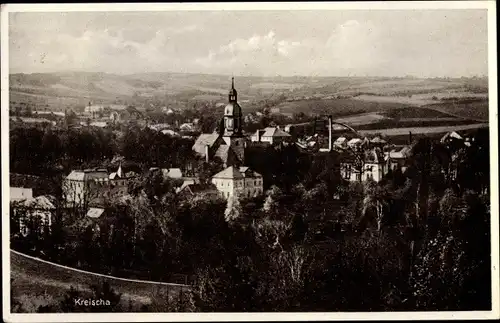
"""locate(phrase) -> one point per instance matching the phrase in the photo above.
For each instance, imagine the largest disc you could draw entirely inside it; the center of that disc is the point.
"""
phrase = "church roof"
(226, 154)
(203, 140)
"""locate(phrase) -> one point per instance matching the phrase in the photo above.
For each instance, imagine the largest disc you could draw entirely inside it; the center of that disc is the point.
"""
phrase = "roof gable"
(274, 132)
(229, 173)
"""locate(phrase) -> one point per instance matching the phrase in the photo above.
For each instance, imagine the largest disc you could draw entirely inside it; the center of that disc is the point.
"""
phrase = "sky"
(421, 43)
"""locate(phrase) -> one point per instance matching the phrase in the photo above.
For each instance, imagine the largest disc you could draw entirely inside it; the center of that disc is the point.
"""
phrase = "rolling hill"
(33, 277)
(57, 91)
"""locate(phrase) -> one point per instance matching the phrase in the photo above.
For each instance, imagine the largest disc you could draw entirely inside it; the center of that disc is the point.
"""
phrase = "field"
(363, 102)
(477, 110)
(422, 130)
(32, 277)
(334, 107)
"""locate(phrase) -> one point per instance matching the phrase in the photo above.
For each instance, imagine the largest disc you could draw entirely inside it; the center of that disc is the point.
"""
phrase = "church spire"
(233, 94)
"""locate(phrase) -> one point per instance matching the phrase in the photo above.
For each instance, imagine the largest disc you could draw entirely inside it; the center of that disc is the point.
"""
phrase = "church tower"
(233, 131)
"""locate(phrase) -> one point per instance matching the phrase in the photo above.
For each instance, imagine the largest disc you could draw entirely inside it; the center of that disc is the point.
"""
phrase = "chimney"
(207, 150)
(410, 139)
(330, 142)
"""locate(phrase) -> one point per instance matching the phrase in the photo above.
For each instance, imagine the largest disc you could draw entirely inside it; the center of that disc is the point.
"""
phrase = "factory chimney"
(330, 139)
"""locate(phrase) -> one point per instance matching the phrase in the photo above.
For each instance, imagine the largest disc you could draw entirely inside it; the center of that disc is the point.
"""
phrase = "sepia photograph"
(212, 161)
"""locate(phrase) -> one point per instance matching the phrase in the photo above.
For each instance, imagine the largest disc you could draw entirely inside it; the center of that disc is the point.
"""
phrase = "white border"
(131, 317)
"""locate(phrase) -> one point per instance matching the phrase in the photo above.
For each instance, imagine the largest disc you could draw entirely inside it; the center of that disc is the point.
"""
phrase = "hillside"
(57, 91)
(32, 277)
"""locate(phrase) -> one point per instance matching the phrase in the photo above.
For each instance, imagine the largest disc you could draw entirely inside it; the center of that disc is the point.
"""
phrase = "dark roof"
(203, 140)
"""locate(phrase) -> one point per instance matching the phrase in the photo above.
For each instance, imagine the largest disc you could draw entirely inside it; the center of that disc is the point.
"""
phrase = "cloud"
(255, 54)
(324, 43)
(106, 50)
(351, 47)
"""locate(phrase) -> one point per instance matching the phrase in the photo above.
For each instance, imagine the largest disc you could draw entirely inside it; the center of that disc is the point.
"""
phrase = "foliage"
(417, 240)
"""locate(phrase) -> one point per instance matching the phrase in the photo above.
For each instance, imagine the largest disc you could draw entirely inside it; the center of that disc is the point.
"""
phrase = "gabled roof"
(249, 173)
(274, 132)
(88, 174)
(236, 173)
(227, 154)
(94, 212)
(229, 173)
(401, 152)
(203, 140)
(452, 135)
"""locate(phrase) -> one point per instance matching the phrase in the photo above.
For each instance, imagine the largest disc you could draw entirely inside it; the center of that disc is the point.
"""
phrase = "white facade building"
(241, 182)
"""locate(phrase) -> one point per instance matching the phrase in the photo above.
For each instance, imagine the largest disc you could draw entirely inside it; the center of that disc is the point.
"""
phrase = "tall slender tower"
(233, 132)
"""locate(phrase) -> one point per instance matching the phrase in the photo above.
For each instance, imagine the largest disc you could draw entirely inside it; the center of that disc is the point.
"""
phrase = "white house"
(272, 135)
(238, 181)
(374, 165)
(369, 164)
(79, 185)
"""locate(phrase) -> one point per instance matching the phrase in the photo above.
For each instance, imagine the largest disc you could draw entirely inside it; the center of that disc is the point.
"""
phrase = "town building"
(228, 141)
(399, 158)
(365, 165)
(34, 213)
(238, 181)
(93, 186)
(81, 186)
(271, 135)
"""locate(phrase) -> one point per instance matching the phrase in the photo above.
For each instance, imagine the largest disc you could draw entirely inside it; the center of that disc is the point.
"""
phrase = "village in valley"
(229, 192)
(360, 159)
(249, 174)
